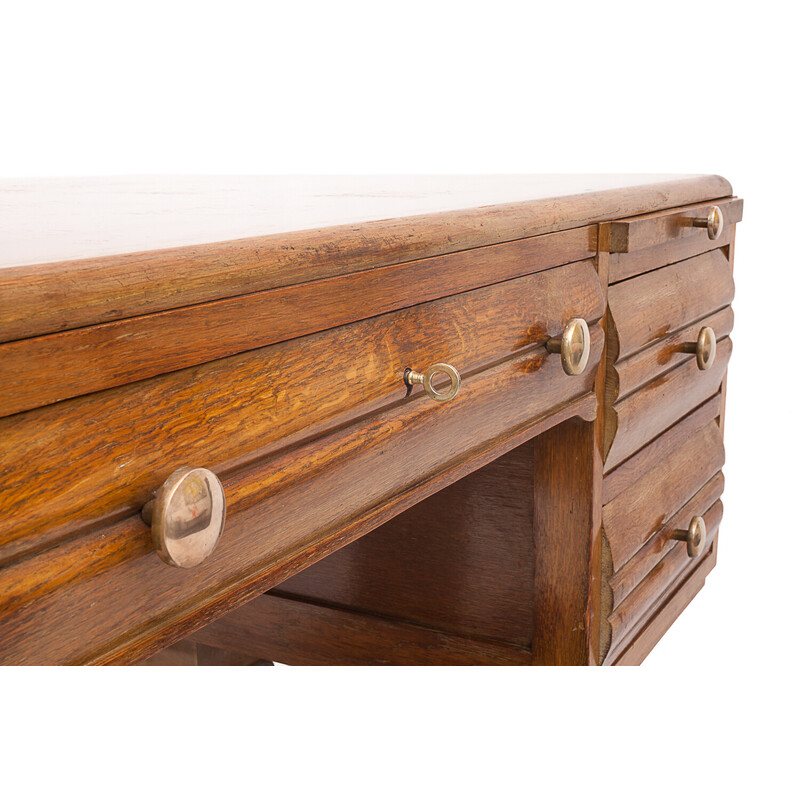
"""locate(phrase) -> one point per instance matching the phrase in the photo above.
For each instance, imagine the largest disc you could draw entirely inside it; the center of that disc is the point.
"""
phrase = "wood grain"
(656, 305)
(724, 391)
(124, 442)
(46, 369)
(705, 503)
(45, 298)
(622, 266)
(639, 418)
(597, 613)
(649, 230)
(277, 361)
(293, 632)
(663, 355)
(566, 524)
(635, 514)
(129, 604)
(647, 462)
(634, 612)
(650, 458)
(501, 556)
(460, 561)
(669, 610)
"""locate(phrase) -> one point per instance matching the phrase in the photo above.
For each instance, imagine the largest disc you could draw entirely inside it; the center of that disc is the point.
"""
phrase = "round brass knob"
(574, 345)
(705, 348)
(187, 516)
(695, 537)
(713, 223)
(426, 379)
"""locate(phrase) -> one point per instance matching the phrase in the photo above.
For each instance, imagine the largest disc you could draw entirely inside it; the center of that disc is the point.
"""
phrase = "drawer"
(647, 502)
(651, 307)
(122, 443)
(640, 244)
(45, 369)
(652, 378)
(315, 442)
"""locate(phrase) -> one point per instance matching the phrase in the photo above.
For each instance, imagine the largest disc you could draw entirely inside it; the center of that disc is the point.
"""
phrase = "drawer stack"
(670, 289)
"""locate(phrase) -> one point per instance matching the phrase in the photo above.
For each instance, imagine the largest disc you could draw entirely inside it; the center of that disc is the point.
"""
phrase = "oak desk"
(211, 389)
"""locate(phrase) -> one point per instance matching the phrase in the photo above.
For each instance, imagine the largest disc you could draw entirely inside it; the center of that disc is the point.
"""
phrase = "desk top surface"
(58, 219)
(85, 251)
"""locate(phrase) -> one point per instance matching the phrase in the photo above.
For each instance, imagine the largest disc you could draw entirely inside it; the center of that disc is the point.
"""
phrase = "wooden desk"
(264, 329)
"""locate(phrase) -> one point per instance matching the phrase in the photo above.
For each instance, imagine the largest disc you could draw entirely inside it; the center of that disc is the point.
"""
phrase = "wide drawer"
(39, 370)
(315, 443)
(649, 500)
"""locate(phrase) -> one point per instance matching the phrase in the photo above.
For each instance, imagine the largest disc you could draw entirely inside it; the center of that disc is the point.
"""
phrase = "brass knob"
(186, 516)
(705, 348)
(713, 223)
(574, 345)
(426, 379)
(695, 537)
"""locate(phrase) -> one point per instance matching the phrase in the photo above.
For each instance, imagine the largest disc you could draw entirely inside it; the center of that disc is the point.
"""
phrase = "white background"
(500, 87)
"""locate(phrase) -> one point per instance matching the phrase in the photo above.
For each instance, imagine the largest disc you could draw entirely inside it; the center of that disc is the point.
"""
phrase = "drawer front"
(45, 369)
(124, 442)
(315, 443)
(648, 501)
(651, 307)
(638, 418)
(654, 320)
(640, 244)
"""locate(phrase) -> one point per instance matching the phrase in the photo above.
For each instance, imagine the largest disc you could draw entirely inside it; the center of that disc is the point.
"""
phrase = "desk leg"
(566, 522)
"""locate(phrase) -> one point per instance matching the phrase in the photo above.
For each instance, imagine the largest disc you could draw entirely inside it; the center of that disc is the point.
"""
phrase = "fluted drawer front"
(124, 442)
(653, 306)
(668, 348)
(641, 416)
(656, 505)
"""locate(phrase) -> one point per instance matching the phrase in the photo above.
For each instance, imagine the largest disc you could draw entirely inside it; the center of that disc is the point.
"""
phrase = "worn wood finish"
(633, 422)
(461, 561)
(503, 556)
(632, 614)
(44, 298)
(272, 351)
(622, 266)
(298, 633)
(119, 602)
(724, 391)
(124, 442)
(597, 612)
(650, 458)
(656, 305)
(668, 611)
(566, 524)
(632, 517)
(649, 230)
(46, 369)
(705, 503)
(637, 370)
